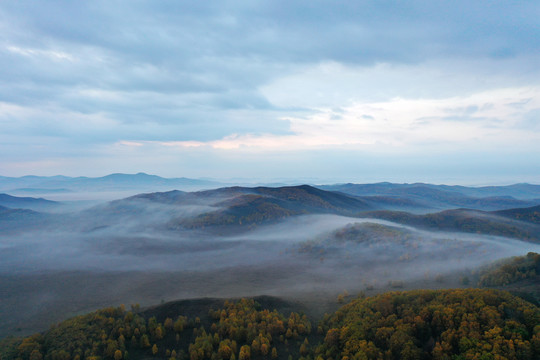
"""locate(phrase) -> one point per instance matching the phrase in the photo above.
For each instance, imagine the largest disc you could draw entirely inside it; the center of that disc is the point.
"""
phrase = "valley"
(299, 243)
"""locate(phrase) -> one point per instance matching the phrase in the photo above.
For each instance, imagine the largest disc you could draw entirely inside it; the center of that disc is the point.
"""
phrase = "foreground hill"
(420, 324)
(429, 324)
(189, 329)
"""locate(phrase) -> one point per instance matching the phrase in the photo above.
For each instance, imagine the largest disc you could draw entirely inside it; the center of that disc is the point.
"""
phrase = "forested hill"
(299, 198)
(466, 220)
(519, 274)
(247, 206)
(530, 214)
(191, 329)
(429, 324)
(421, 324)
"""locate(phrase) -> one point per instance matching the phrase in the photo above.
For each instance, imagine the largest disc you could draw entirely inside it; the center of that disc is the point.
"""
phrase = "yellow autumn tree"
(118, 355)
(245, 353)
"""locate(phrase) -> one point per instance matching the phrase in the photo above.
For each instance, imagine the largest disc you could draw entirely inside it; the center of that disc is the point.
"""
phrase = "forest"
(239, 329)
(419, 324)
(510, 271)
(431, 324)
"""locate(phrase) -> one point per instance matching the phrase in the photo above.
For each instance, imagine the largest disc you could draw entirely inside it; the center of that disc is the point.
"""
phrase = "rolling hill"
(428, 324)
(420, 324)
(464, 220)
(14, 220)
(15, 202)
(519, 275)
(250, 206)
(531, 214)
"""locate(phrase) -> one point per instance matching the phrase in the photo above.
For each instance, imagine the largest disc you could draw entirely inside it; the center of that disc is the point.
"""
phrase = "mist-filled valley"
(297, 242)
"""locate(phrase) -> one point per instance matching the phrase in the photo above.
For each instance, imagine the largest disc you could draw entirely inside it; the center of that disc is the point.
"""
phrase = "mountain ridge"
(17, 202)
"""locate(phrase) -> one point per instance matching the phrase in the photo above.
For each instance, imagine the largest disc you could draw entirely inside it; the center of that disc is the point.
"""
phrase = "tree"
(245, 353)
(145, 342)
(159, 333)
(118, 355)
(224, 350)
(36, 355)
(303, 349)
(264, 349)
(168, 324)
(179, 324)
(154, 349)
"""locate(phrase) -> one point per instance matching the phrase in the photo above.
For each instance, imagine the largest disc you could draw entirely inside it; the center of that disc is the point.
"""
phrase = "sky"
(321, 91)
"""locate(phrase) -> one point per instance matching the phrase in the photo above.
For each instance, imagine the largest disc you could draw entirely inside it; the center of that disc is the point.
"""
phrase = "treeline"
(239, 330)
(429, 324)
(511, 271)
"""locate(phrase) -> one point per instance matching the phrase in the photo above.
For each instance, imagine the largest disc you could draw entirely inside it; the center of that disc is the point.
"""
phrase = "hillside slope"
(464, 220)
(249, 206)
(420, 324)
(429, 324)
(530, 214)
(16, 202)
(189, 329)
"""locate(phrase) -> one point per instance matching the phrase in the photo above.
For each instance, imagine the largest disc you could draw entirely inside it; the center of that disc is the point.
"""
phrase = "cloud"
(78, 78)
(485, 118)
(53, 55)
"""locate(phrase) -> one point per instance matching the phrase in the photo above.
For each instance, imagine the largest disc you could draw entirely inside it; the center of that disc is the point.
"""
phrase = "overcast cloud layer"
(336, 90)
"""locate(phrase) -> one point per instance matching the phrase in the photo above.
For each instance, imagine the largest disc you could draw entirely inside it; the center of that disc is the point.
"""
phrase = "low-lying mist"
(125, 252)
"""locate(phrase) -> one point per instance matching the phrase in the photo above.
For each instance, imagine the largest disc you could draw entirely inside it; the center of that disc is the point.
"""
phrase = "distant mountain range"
(518, 191)
(418, 197)
(428, 196)
(234, 209)
(61, 184)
